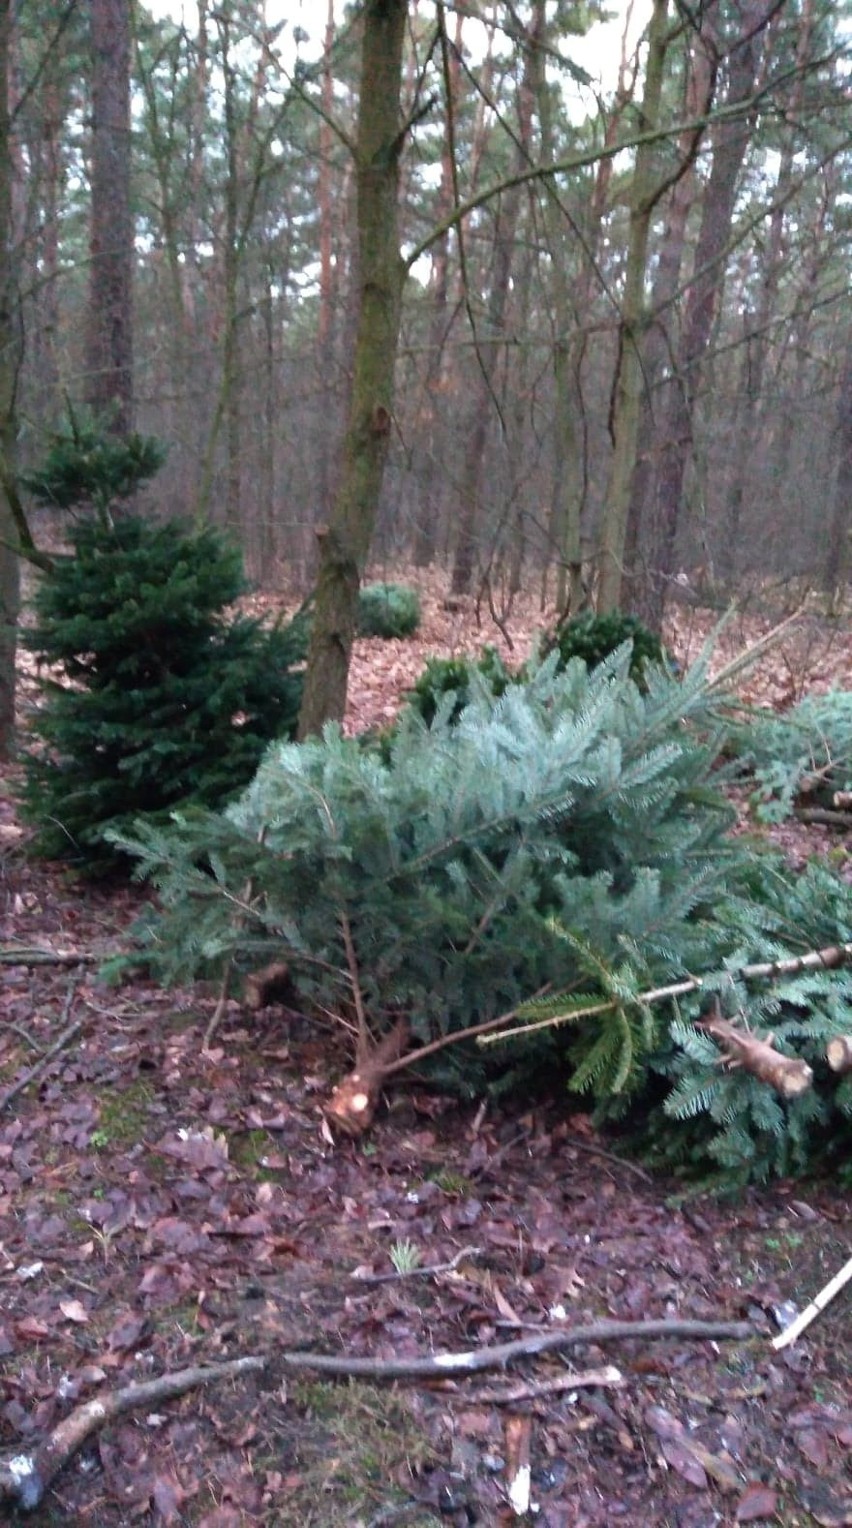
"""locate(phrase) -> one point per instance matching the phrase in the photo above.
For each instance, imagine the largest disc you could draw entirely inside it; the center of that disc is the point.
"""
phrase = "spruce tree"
(156, 696)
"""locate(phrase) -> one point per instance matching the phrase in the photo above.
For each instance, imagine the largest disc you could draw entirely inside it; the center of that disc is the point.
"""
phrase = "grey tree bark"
(730, 138)
(345, 541)
(629, 382)
(660, 344)
(490, 337)
(109, 380)
(838, 558)
(11, 351)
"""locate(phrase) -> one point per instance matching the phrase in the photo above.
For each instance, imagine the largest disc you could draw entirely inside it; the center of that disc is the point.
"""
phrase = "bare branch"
(446, 1365)
(26, 1476)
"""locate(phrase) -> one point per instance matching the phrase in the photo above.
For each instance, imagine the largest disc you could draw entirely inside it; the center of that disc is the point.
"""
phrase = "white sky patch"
(599, 52)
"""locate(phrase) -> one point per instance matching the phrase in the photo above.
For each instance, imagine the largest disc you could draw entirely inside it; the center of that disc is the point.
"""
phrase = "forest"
(425, 762)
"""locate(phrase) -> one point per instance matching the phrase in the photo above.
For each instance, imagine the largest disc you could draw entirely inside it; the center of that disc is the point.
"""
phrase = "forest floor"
(162, 1207)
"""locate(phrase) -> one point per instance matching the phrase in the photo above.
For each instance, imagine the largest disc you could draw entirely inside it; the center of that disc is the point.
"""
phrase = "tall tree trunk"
(730, 138)
(345, 542)
(489, 341)
(756, 321)
(660, 343)
(11, 351)
(231, 367)
(431, 487)
(838, 557)
(109, 382)
(571, 302)
(46, 275)
(627, 388)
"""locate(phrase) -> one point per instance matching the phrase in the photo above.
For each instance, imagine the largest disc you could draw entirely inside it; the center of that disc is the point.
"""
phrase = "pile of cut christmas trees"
(525, 873)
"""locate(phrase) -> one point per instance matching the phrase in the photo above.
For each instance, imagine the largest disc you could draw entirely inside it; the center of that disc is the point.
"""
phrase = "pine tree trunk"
(430, 511)
(837, 559)
(661, 338)
(109, 383)
(467, 543)
(345, 542)
(571, 302)
(11, 349)
(757, 322)
(730, 141)
(629, 381)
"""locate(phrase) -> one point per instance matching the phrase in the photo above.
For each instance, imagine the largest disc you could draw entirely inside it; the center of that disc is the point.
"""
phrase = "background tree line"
(613, 365)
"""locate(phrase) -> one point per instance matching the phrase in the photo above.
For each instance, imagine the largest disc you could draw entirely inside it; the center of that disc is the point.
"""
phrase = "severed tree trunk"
(788, 1075)
(109, 349)
(345, 542)
(838, 1053)
(354, 1101)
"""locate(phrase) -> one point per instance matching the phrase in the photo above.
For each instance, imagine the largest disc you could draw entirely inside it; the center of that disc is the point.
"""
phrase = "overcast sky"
(598, 52)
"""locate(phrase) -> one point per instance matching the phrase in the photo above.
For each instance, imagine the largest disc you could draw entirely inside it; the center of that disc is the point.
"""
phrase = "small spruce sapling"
(157, 698)
(86, 465)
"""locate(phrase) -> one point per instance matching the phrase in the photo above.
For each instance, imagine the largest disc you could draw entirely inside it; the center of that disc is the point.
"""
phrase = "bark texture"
(345, 542)
(628, 385)
(730, 138)
(11, 350)
(109, 380)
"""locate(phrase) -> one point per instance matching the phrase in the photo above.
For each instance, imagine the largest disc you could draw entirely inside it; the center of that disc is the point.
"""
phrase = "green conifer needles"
(569, 836)
(156, 697)
(464, 859)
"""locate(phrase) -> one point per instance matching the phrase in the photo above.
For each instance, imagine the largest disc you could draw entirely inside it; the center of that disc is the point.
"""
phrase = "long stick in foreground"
(444, 1365)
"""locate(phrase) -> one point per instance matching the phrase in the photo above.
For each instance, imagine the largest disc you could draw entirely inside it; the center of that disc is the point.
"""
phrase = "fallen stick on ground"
(65, 1038)
(25, 1476)
(22, 955)
(818, 1303)
(535, 1390)
(443, 1365)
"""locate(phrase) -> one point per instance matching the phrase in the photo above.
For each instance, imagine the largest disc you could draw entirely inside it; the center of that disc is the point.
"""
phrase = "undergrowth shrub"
(457, 676)
(388, 610)
(158, 697)
(86, 464)
(593, 637)
(802, 756)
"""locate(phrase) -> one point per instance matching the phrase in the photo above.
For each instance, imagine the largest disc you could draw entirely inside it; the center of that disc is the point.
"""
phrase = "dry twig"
(23, 955)
(65, 1038)
(446, 1365)
(25, 1476)
(818, 1303)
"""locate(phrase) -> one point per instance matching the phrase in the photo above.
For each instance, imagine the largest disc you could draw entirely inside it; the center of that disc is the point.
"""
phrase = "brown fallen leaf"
(73, 1310)
(682, 1458)
(757, 1501)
